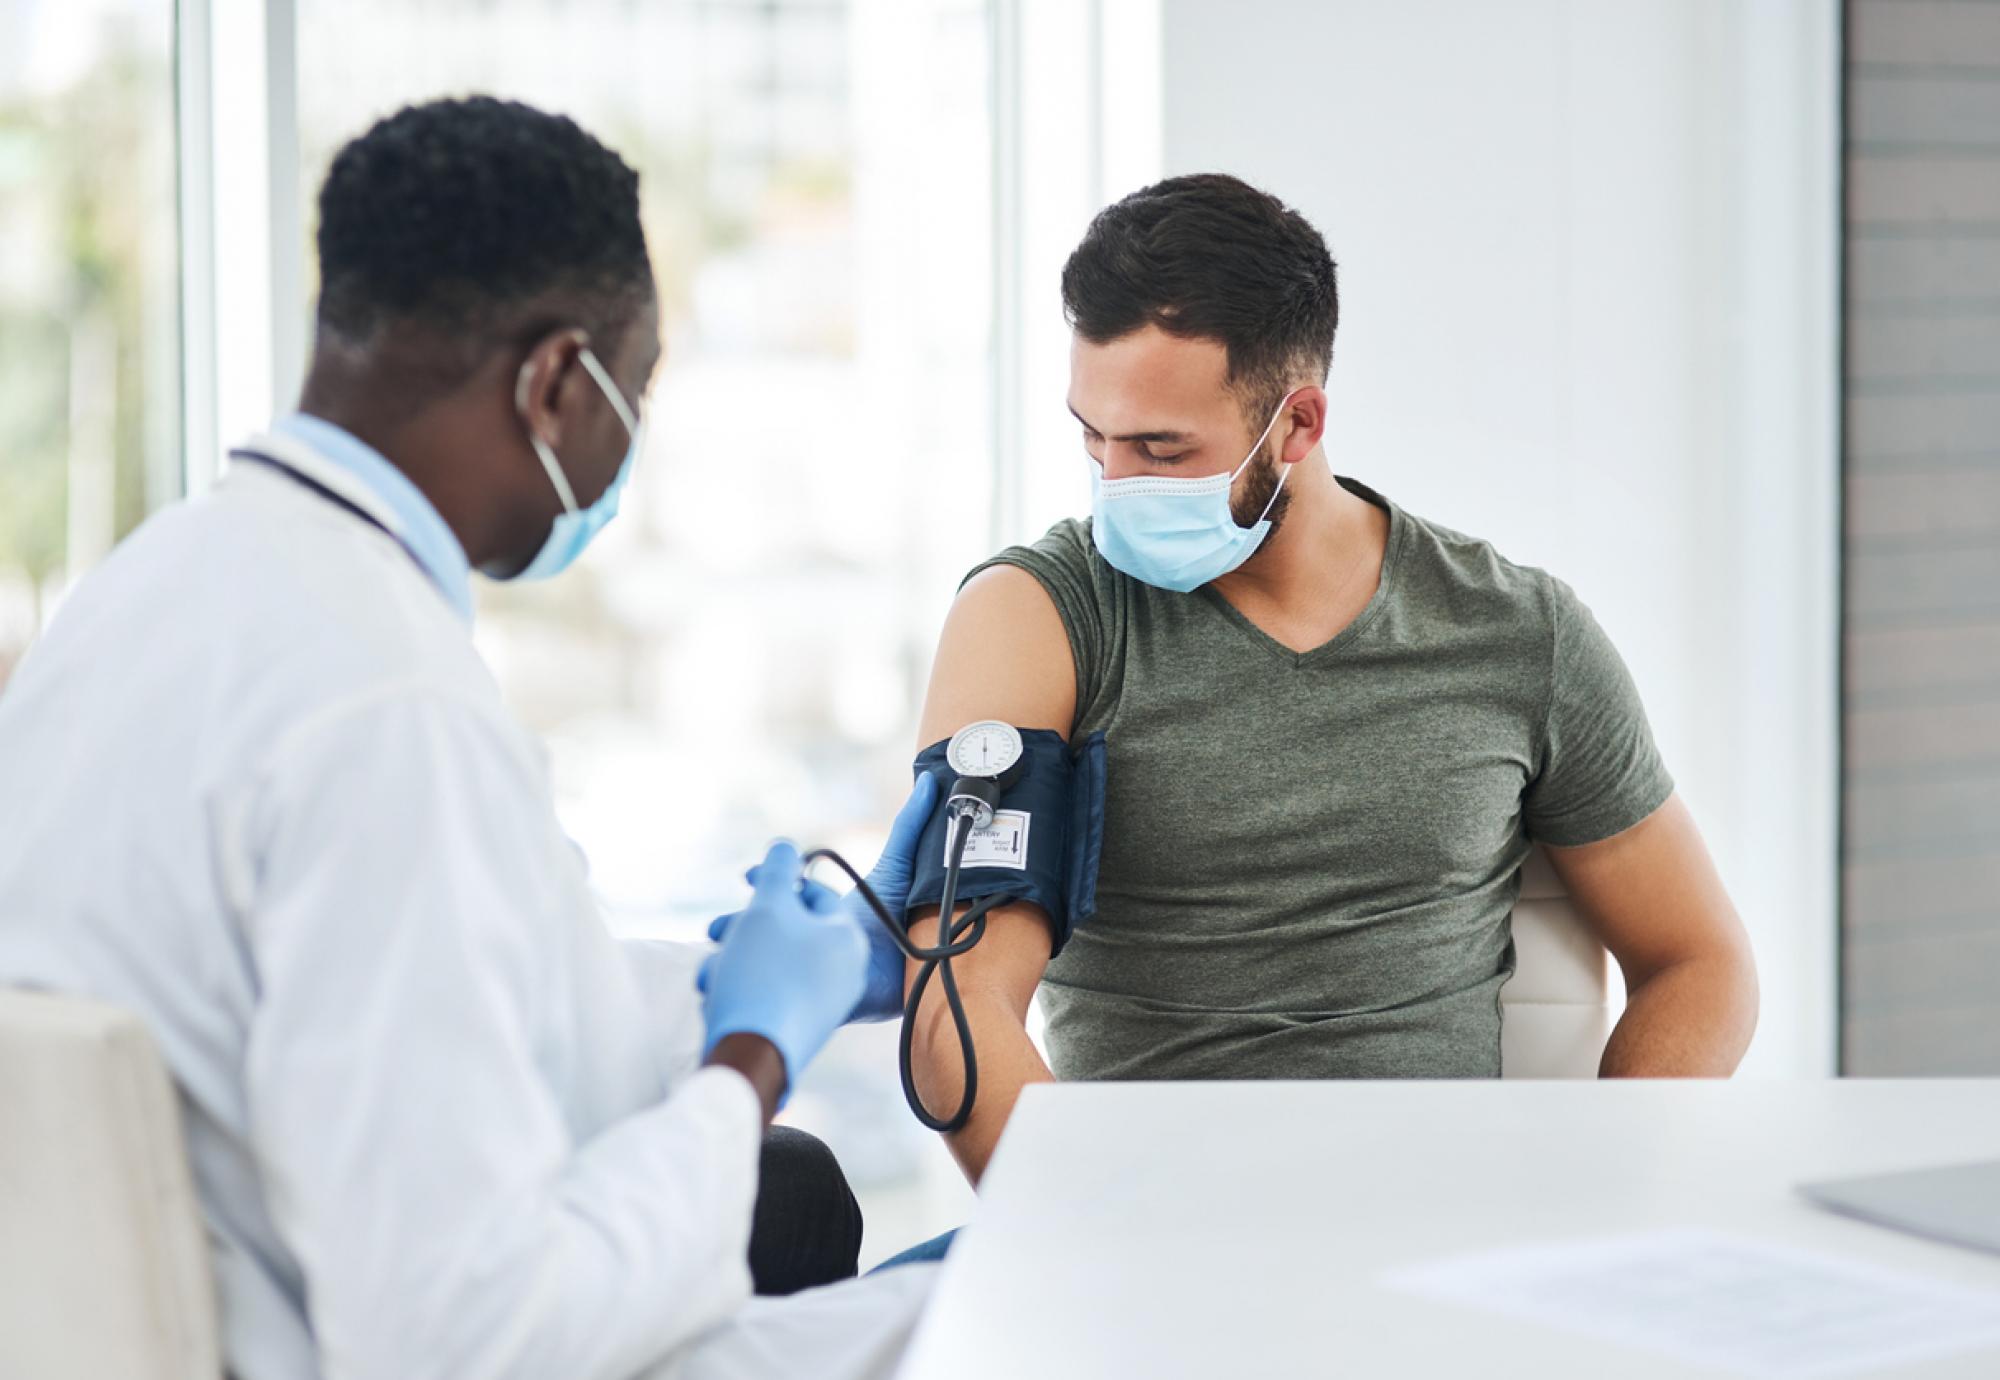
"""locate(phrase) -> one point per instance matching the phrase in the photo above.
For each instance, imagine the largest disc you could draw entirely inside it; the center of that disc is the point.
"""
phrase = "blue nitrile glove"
(883, 998)
(890, 881)
(791, 967)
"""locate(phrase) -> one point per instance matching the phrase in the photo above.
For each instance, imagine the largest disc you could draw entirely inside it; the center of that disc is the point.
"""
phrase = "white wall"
(1588, 273)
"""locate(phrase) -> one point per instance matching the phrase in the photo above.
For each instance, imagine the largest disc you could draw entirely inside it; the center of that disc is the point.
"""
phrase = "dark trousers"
(806, 1229)
(923, 1253)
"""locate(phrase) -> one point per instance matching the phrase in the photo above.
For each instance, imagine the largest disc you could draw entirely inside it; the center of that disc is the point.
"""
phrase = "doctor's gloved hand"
(791, 967)
(890, 880)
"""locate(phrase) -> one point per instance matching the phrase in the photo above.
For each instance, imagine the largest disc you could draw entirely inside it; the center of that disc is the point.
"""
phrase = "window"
(742, 654)
(89, 304)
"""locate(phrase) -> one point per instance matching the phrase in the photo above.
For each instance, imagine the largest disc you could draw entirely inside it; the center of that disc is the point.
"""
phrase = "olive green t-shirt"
(1310, 859)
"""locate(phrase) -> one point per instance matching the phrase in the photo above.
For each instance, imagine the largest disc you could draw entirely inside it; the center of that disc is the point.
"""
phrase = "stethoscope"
(279, 465)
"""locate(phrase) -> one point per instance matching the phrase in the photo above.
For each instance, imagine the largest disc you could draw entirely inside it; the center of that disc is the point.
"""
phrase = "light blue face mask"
(1177, 534)
(574, 527)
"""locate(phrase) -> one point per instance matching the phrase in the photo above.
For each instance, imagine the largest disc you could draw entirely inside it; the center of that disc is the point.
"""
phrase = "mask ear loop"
(612, 393)
(541, 447)
(1283, 475)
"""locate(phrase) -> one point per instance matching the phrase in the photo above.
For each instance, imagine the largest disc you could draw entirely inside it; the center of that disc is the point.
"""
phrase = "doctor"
(256, 785)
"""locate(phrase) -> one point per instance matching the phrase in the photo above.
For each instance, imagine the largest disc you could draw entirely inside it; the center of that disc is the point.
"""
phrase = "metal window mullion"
(194, 115)
(1005, 97)
(242, 335)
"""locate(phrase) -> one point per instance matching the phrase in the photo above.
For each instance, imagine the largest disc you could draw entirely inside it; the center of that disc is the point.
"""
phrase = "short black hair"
(480, 221)
(1211, 257)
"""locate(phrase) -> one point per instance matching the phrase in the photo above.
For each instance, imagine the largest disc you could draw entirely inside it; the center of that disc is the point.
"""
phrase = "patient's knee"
(807, 1227)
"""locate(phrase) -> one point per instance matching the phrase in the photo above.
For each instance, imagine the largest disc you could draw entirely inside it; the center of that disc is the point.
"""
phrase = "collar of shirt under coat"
(341, 461)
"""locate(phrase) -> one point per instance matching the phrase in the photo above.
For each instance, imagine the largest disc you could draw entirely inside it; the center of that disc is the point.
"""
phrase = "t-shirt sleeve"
(1598, 772)
(1061, 562)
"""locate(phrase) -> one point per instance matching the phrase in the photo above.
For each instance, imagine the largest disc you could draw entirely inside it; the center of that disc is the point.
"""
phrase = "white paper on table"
(1729, 1302)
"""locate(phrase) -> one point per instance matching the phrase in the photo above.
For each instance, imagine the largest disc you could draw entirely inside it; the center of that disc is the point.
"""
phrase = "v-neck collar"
(1399, 524)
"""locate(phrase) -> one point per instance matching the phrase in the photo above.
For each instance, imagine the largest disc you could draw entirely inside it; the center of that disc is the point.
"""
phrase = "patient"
(1335, 729)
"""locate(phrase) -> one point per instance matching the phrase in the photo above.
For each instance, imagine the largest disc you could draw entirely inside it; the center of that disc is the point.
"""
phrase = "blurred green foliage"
(80, 209)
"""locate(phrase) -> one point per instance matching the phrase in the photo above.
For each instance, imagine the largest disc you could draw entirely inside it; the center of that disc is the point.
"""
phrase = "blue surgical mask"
(574, 527)
(1177, 534)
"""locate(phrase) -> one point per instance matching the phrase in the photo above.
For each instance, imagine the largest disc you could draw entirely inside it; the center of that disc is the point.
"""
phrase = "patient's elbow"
(1000, 972)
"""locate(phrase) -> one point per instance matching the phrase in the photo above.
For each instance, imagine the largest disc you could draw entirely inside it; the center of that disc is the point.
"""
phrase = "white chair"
(1557, 1010)
(104, 1271)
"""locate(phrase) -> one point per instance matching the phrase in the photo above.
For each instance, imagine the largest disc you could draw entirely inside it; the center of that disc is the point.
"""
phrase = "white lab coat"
(256, 785)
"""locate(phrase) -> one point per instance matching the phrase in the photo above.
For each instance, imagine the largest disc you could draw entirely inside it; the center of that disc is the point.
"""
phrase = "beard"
(1260, 483)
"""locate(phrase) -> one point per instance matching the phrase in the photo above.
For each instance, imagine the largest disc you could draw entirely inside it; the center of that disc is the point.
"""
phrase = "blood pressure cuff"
(1044, 842)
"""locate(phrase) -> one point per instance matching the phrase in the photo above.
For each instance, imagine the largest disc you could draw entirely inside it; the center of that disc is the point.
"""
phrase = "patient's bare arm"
(996, 981)
(1656, 901)
(1003, 655)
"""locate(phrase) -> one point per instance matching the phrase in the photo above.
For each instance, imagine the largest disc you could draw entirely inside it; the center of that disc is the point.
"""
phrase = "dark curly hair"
(479, 220)
(1209, 256)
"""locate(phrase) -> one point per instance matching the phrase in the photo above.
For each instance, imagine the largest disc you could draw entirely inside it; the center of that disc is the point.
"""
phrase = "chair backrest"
(104, 1270)
(1557, 1010)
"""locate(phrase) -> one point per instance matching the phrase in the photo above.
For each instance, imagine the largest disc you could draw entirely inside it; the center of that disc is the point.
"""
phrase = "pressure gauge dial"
(988, 748)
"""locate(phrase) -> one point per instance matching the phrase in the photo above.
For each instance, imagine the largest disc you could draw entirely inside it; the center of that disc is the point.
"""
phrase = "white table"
(1241, 1229)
